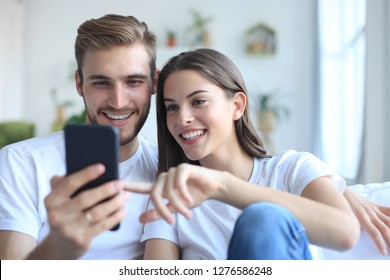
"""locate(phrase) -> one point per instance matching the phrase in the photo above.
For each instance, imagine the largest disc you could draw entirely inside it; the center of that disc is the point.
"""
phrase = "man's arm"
(373, 218)
(74, 222)
(15, 245)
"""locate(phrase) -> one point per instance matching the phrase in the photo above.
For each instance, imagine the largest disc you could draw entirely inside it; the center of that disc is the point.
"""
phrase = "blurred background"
(322, 67)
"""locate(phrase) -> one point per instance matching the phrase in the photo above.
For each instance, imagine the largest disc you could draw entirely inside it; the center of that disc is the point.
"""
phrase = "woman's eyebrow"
(188, 96)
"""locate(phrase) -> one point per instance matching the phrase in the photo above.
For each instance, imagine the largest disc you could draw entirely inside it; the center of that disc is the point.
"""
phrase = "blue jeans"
(266, 231)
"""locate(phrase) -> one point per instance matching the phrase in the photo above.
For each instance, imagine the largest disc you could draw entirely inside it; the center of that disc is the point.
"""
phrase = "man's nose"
(118, 97)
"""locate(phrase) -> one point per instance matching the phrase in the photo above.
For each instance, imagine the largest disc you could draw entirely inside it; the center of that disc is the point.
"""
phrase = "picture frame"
(260, 39)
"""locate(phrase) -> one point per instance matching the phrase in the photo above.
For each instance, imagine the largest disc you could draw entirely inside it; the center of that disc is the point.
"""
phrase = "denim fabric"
(265, 231)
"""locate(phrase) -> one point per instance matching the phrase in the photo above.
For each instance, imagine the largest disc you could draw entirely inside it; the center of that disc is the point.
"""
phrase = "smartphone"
(90, 144)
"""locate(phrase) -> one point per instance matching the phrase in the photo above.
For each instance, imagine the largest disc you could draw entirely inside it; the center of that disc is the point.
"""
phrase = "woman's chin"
(193, 157)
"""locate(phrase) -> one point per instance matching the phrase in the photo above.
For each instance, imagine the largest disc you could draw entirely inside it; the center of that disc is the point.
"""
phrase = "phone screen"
(90, 144)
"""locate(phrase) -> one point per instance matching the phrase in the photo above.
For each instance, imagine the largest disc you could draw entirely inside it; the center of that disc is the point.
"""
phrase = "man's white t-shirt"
(208, 233)
(25, 171)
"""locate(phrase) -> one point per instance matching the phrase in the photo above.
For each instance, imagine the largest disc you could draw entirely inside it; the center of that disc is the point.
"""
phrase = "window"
(341, 83)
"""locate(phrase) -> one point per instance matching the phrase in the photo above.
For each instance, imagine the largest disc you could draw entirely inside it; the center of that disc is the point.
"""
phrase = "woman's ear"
(239, 105)
(79, 82)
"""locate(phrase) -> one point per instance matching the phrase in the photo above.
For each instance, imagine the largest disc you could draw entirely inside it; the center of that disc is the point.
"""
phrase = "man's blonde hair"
(114, 30)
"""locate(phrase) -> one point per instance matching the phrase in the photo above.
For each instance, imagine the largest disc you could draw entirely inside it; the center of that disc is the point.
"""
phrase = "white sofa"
(365, 249)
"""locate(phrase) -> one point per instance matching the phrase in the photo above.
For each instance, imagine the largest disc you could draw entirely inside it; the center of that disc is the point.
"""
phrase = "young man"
(116, 78)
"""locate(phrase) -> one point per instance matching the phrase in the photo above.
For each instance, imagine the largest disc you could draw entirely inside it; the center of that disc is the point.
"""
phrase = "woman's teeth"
(192, 135)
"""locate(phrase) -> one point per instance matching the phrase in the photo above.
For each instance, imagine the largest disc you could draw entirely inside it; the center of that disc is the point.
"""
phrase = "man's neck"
(128, 150)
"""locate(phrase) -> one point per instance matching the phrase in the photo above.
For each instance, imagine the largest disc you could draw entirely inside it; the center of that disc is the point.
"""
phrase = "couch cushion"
(15, 131)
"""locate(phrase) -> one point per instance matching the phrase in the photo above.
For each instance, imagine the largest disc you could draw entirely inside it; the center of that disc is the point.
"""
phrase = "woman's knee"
(265, 214)
(268, 231)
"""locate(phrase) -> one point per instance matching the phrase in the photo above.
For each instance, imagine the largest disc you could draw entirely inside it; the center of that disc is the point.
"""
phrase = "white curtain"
(11, 59)
(341, 84)
(375, 166)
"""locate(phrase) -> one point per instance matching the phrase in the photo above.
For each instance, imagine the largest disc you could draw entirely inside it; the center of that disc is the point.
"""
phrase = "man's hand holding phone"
(71, 230)
(89, 199)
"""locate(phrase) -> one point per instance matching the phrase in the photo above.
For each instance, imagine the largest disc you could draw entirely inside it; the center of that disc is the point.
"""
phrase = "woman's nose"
(185, 116)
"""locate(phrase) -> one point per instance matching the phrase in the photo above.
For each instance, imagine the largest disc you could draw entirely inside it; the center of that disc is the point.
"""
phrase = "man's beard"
(138, 126)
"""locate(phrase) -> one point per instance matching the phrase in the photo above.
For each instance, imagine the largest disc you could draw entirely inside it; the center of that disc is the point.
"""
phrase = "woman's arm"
(333, 211)
(326, 215)
(321, 209)
(161, 249)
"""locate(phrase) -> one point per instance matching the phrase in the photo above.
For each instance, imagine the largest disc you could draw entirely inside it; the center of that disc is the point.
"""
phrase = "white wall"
(51, 29)
(11, 59)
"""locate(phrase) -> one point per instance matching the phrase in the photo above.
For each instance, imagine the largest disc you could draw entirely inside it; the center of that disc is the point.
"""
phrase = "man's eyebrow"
(103, 77)
(137, 76)
(97, 77)
(188, 96)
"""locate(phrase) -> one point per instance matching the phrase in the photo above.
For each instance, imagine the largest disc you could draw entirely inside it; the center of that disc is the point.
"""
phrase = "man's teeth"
(192, 135)
(118, 117)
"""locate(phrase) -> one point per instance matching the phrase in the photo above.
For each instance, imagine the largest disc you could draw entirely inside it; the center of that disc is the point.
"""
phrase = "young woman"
(249, 205)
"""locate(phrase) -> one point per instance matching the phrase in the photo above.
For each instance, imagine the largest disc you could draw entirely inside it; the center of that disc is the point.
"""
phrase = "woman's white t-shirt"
(208, 233)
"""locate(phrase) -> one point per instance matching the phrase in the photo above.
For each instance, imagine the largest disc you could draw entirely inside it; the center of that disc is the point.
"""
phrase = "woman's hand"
(373, 218)
(185, 186)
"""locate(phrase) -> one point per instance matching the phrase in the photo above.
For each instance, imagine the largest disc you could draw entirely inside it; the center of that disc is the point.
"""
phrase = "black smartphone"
(90, 144)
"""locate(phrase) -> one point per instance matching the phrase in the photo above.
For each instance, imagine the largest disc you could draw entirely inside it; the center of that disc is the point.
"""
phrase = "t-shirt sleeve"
(19, 207)
(300, 168)
(159, 229)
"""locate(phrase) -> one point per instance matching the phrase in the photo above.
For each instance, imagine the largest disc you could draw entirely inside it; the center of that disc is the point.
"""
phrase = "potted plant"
(171, 38)
(77, 118)
(60, 108)
(199, 25)
(269, 111)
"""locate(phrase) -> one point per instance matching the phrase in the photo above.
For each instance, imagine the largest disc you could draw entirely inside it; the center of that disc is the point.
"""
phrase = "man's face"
(117, 88)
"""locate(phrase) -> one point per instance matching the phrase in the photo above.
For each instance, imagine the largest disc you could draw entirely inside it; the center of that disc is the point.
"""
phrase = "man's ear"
(239, 105)
(79, 82)
(155, 79)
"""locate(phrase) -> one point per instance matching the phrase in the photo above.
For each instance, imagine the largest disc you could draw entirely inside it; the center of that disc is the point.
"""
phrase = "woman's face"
(199, 115)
